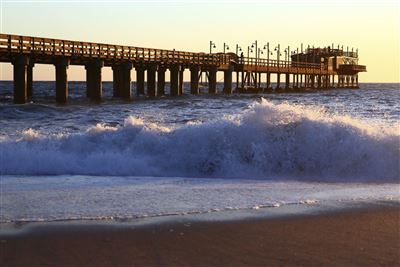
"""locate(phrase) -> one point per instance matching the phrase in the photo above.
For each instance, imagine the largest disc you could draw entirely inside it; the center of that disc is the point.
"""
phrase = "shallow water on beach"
(195, 153)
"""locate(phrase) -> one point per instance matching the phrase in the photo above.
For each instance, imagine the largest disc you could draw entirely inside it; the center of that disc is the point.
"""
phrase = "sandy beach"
(355, 237)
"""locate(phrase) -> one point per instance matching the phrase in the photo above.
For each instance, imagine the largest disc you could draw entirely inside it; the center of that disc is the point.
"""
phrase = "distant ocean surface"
(194, 154)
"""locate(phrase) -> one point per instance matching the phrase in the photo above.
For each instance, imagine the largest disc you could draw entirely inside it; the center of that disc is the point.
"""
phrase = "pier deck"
(25, 51)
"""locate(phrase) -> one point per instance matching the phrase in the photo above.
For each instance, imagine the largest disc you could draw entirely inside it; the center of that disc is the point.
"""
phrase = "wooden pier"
(315, 68)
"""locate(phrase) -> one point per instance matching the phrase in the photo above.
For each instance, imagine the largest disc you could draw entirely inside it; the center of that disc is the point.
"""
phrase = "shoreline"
(363, 234)
(289, 210)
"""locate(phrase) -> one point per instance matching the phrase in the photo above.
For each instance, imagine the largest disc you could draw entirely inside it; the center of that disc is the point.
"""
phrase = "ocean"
(195, 154)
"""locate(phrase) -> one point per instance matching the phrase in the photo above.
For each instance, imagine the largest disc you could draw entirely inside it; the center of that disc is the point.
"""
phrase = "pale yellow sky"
(371, 26)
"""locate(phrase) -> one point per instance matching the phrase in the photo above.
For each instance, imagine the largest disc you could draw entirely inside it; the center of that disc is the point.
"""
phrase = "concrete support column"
(356, 80)
(326, 81)
(181, 80)
(228, 80)
(20, 79)
(294, 81)
(352, 81)
(243, 80)
(301, 80)
(287, 81)
(62, 80)
(237, 80)
(116, 80)
(194, 80)
(319, 81)
(278, 81)
(125, 82)
(212, 80)
(255, 79)
(139, 80)
(268, 80)
(151, 80)
(174, 80)
(333, 81)
(93, 80)
(161, 81)
(29, 80)
(312, 81)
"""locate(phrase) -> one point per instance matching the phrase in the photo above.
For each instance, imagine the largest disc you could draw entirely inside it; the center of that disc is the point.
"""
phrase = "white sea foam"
(267, 141)
(65, 197)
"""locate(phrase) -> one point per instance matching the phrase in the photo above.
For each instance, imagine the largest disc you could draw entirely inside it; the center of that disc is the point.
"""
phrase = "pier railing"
(56, 47)
(263, 62)
(35, 46)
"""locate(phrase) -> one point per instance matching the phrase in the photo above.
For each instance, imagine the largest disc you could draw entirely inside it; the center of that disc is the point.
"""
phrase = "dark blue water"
(373, 102)
(190, 154)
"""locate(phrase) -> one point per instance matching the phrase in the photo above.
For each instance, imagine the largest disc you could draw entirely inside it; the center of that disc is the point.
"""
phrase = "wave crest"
(267, 141)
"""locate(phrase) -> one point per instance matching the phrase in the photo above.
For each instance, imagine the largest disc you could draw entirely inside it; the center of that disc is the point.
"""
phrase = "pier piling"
(180, 86)
(139, 80)
(228, 80)
(61, 65)
(29, 80)
(161, 81)
(20, 79)
(194, 80)
(94, 79)
(125, 82)
(174, 80)
(116, 80)
(212, 80)
(151, 80)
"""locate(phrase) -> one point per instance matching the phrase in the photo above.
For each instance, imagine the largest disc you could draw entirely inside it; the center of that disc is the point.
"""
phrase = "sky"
(371, 26)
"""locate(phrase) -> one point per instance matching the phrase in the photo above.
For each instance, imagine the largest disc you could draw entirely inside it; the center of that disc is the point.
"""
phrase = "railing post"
(9, 44)
(20, 44)
(54, 47)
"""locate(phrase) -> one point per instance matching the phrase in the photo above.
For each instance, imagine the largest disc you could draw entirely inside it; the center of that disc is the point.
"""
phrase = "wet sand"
(357, 237)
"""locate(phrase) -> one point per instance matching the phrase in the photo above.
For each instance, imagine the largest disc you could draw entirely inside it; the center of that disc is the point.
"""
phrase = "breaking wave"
(267, 141)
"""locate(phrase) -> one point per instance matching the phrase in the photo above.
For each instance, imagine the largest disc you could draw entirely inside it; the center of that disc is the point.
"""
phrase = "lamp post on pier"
(238, 48)
(226, 47)
(249, 50)
(268, 74)
(212, 45)
(287, 55)
(278, 55)
(260, 52)
(254, 45)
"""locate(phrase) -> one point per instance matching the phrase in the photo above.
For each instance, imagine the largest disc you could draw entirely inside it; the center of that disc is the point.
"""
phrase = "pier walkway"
(301, 72)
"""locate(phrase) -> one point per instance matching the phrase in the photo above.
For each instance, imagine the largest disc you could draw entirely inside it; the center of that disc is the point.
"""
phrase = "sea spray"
(267, 141)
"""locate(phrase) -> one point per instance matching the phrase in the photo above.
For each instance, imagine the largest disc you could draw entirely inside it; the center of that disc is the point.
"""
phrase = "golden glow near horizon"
(371, 26)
